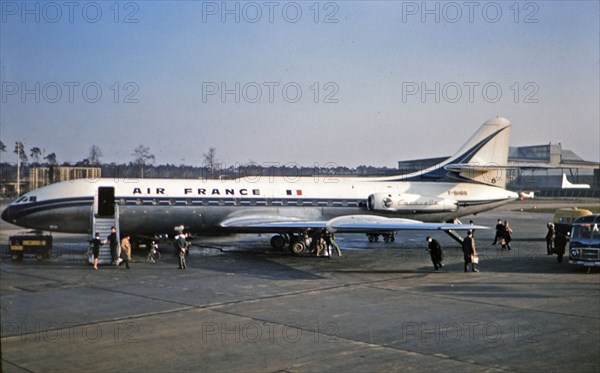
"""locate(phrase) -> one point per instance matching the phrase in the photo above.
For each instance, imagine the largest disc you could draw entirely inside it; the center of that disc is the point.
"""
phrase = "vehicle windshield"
(586, 232)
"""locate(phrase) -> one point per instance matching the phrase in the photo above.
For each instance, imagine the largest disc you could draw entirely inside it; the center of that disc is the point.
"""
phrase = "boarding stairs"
(103, 225)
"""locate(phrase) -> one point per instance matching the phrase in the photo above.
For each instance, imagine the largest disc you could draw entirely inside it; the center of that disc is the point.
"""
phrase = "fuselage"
(154, 206)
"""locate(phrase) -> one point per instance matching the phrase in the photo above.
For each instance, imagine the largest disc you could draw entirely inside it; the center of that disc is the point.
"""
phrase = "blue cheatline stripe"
(29, 208)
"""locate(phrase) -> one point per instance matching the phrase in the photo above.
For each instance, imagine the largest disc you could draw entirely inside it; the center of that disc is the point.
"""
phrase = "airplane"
(526, 195)
(566, 184)
(471, 181)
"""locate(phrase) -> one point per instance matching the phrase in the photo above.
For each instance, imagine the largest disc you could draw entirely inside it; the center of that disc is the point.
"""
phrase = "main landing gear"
(387, 237)
(296, 243)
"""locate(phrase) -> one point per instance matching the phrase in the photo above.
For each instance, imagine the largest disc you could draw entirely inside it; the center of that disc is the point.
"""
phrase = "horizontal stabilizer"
(459, 167)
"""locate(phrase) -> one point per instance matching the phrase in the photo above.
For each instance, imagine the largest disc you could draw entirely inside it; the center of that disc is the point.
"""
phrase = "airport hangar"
(538, 168)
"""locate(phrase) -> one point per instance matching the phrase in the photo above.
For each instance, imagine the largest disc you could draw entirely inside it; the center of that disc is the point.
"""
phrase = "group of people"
(117, 256)
(503, 235)
(469, 253)
(321, 243)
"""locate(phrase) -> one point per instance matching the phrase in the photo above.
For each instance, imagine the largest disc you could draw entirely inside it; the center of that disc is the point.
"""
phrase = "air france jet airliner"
(471, 181)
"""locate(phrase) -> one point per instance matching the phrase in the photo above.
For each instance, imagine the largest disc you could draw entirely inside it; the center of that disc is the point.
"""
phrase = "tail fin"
(484, 157)
(566, 184)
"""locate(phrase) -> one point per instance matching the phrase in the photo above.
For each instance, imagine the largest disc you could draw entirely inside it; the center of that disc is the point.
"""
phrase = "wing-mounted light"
(409, 203)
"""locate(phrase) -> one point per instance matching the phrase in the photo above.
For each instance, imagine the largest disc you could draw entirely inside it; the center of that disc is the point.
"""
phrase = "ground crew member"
(435, 251)
(330, 242)
(182, 248)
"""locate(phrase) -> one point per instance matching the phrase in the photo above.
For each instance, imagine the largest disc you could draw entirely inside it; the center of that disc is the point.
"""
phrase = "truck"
(37, 244)
(584, 245)
(564, 217)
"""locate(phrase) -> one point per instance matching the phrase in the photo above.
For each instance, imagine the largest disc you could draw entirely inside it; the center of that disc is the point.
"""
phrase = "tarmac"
(243, 307)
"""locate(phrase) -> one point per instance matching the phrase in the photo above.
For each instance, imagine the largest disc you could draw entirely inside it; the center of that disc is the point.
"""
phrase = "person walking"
(506, 237)
(96, 242)
(126, 250)
(499, 231)
(435, 251)
(560, 242)
(549, 238)
(469, 252)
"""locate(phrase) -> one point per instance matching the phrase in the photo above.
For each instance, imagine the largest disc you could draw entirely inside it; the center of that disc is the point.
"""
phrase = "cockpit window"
(25, 199)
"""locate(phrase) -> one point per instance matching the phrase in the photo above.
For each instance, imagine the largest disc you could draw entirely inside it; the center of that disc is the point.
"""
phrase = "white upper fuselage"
(157, 205)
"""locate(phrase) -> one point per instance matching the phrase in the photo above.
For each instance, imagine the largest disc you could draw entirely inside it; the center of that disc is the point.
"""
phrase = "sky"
(327, 83)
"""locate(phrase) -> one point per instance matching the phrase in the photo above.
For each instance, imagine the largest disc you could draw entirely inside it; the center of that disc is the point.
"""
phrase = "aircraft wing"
(342, 224)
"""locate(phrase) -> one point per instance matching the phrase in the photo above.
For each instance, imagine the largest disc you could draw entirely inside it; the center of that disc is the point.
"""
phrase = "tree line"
(142, 166)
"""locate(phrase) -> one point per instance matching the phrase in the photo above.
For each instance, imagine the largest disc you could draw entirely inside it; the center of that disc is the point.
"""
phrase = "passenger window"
(32, 199)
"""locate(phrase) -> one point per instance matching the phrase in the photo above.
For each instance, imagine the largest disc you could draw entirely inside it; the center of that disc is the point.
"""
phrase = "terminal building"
(538, 168)
(39, 176)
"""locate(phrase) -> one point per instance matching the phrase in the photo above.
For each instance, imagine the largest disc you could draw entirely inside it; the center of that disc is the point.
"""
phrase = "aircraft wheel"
(373, 237)
(297, 247)
(277, 242)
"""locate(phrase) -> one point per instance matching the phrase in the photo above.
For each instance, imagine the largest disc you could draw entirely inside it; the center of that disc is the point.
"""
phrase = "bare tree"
(142, 157)
(2, 147)
(210, 161)
(20, 152)
(21, 157)
(95, 155)
(36, 153)
(51, 158)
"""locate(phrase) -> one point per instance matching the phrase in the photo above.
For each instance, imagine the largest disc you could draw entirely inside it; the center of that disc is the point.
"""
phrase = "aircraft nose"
(6, 214)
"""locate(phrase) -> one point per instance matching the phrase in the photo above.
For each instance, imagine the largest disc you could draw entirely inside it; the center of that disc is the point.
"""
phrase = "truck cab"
(584, 247)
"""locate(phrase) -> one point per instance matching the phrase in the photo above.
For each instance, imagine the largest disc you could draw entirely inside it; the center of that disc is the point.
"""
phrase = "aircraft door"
(106, 201)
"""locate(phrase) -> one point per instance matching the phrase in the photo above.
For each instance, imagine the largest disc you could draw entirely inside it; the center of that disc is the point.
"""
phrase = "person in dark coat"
(468, 247)
(114, 245)
(435, 251)
(499, 231)
(549, 238)
(560, 242)
(96, 242)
